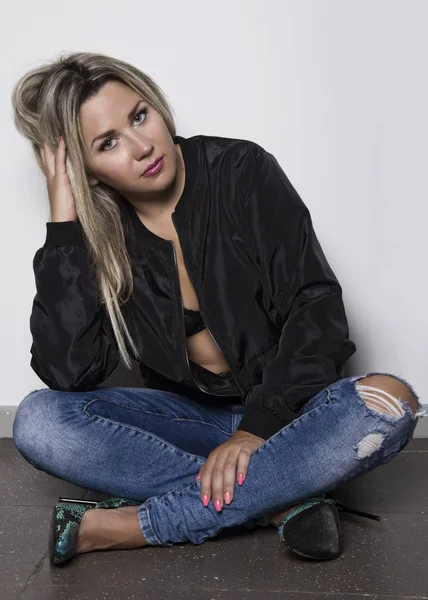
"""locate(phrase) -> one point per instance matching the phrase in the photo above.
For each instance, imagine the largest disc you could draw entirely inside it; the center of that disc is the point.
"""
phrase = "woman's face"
(141, 136)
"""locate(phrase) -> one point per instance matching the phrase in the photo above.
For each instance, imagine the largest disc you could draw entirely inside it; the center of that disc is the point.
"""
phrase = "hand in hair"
(61, 197)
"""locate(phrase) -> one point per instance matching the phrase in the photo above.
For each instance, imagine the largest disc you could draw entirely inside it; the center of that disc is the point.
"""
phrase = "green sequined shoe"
(312, 529)
(67, 515)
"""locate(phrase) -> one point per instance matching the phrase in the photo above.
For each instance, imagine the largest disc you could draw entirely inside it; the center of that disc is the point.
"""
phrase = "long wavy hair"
(46, 103)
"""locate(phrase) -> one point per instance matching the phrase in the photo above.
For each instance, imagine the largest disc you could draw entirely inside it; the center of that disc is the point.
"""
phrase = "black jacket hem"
(260, 421)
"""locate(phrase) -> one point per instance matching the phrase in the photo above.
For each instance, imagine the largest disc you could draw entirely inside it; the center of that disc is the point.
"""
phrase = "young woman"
(197, 258)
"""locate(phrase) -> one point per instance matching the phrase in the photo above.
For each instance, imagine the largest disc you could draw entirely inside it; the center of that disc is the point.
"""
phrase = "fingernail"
(217, 505)
(227, 498)
(205, 500)
(197, 477)
(60, 137)
(241, 478)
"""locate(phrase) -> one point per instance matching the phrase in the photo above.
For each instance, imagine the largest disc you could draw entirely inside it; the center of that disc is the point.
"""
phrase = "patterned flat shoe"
(67, 515)
(312, 529)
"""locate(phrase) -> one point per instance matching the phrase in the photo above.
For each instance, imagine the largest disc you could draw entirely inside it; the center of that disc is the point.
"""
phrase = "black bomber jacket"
(266, 292)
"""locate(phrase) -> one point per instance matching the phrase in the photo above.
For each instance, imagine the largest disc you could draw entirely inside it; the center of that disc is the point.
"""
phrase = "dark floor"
(386, 559)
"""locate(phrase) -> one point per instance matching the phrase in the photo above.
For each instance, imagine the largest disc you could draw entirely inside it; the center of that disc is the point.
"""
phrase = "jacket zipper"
(185, 343)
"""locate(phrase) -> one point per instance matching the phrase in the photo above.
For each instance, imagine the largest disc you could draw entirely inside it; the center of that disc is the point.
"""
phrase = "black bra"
(193, 321)
(193, 324)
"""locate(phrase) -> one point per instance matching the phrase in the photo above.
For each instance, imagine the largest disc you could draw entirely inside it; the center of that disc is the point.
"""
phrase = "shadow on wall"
(122, 377)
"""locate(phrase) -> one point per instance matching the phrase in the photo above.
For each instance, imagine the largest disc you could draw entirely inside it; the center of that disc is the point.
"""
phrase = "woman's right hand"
(61, 197)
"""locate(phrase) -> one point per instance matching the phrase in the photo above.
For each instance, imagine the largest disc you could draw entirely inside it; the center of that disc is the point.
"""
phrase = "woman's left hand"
(218, 473)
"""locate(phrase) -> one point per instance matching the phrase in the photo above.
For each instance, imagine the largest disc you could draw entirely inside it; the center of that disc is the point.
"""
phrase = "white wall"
(335, 89)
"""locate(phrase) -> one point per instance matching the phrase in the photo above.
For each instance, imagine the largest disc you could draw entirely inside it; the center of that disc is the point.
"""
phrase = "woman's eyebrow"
(112, 131)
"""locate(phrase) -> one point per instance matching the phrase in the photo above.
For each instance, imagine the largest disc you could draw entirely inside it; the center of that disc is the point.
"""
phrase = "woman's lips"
(155, 169)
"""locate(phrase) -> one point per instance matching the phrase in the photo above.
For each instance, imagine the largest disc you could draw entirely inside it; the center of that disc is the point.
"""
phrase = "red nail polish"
(217, 505)
(205, 500)
(241, 478)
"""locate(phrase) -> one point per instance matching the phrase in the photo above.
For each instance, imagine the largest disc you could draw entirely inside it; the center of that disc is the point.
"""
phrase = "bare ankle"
(276, 517)
(86, 530)
(111, 528)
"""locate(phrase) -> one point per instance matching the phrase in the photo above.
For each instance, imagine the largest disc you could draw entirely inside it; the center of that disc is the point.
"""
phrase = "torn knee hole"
(380, 400)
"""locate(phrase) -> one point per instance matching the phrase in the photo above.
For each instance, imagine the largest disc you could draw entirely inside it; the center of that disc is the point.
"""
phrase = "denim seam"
(178, 450)
(234, 419)
(203, 422)
(148, 412)
(295, 422)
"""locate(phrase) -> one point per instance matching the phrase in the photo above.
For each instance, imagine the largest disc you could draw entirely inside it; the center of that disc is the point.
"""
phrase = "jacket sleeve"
(73, 346)
(313, 343)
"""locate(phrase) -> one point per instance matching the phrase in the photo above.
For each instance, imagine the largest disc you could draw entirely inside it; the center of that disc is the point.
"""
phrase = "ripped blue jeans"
(148, 445)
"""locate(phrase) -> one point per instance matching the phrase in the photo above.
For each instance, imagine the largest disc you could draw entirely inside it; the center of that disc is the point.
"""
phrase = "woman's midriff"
(203, 351)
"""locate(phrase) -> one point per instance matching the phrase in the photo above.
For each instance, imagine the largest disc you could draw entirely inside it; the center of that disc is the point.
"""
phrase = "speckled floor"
(386, 559)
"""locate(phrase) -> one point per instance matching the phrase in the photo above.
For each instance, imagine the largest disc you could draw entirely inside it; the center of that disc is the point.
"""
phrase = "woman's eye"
(144, 110)
(103, 147)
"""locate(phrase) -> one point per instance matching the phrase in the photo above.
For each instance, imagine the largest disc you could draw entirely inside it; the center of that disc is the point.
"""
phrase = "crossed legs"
(120, 529)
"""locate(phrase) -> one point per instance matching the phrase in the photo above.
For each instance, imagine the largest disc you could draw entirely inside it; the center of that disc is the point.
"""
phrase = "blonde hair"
(46, 103)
